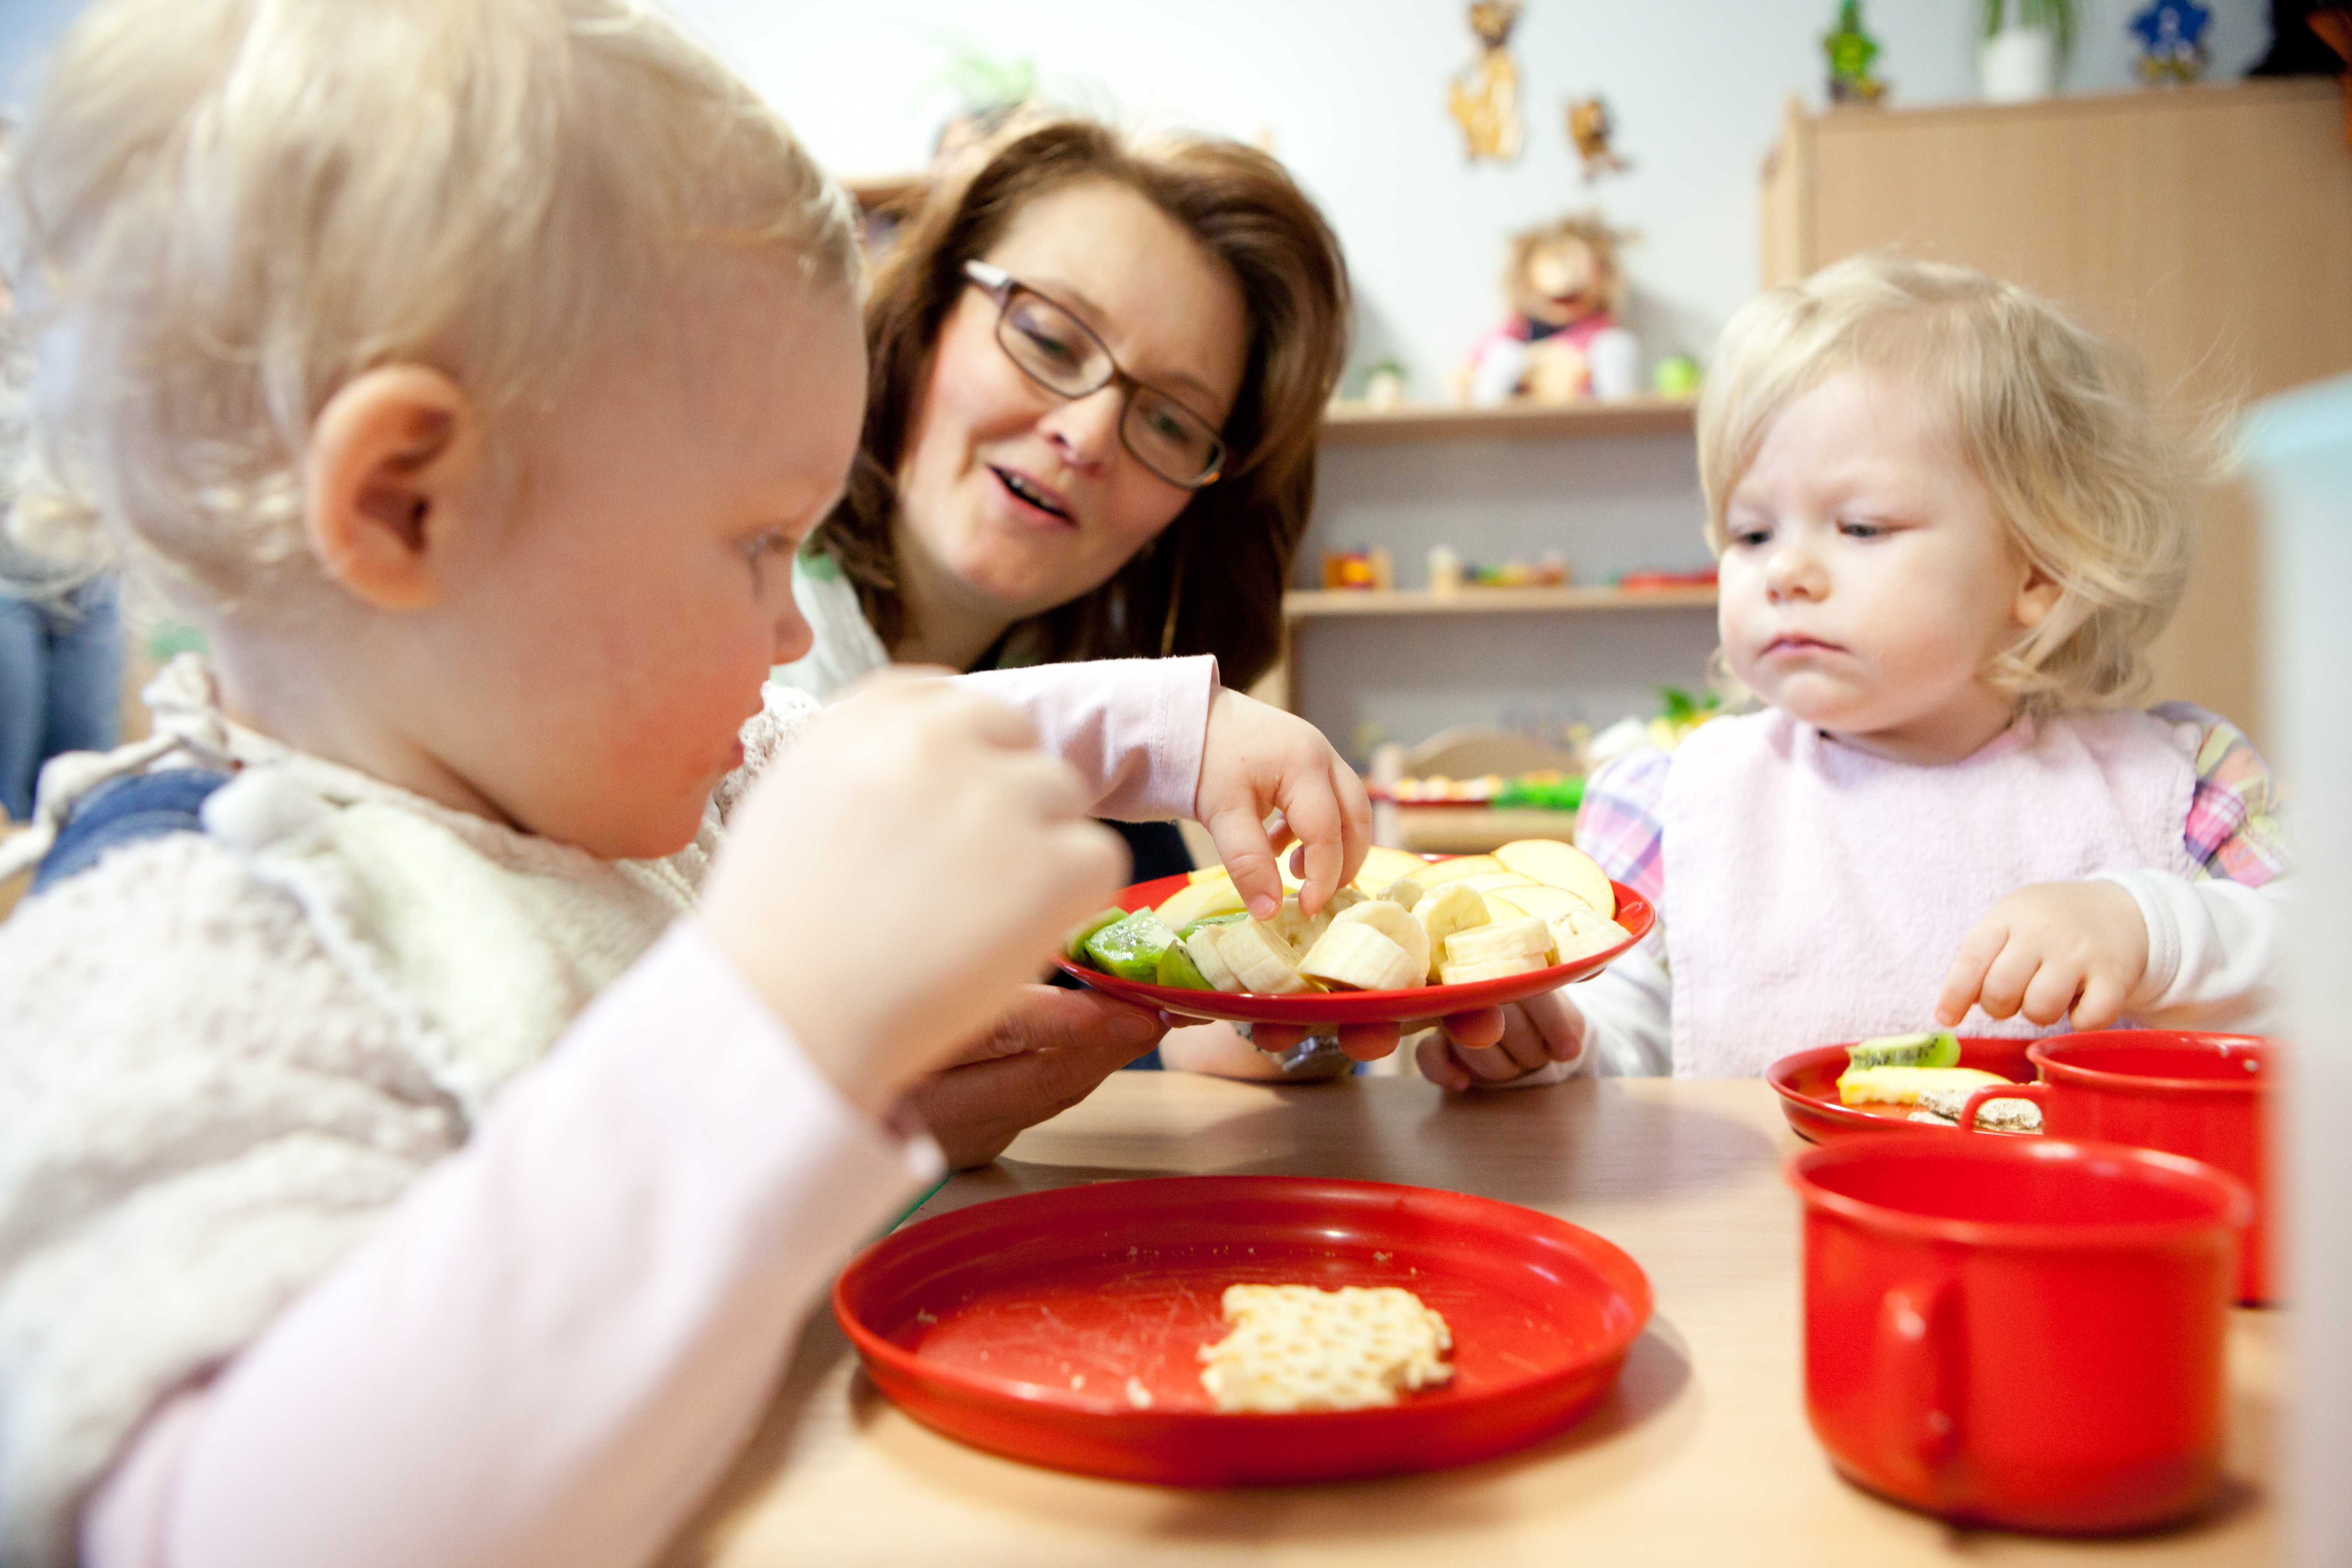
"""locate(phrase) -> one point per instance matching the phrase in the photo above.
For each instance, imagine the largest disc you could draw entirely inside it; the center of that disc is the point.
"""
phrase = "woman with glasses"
(1098, 371)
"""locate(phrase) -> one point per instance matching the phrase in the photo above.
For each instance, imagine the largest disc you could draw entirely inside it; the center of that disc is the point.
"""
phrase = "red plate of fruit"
(1412, 937)
(1066, 1328)
(1807, 1083)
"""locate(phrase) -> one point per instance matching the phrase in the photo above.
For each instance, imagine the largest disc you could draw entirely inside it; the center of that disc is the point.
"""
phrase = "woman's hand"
(1502, 1046)
(2050, 950)
(1039, 1060)
(1255, 758)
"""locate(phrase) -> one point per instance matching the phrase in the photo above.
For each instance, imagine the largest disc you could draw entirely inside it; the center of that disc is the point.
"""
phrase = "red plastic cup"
(2019, 1332)
(2205, 1096)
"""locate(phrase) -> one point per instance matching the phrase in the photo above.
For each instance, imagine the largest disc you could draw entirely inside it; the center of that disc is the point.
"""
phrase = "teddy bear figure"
(1561, 342)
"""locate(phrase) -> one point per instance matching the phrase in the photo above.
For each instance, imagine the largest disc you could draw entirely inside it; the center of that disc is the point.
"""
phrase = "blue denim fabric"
(60, 683)
(146, 805)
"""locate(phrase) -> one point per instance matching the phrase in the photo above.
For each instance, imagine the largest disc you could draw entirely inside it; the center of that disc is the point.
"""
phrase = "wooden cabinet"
(2209, 227)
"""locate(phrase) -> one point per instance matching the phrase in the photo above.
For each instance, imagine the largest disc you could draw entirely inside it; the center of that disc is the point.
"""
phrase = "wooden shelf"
(1357, 424)
(1313, 604)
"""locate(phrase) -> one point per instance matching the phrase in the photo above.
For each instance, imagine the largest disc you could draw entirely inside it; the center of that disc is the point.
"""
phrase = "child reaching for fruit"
(1949, 525)
(425, 1128)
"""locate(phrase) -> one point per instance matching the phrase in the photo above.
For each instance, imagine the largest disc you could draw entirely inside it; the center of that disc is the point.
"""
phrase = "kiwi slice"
(1130, 947)
(1223, 919)
(1075, 949)
(1939, 1049)
(1177, 968)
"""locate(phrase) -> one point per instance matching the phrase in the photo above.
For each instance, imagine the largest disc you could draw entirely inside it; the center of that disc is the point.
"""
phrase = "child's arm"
(2172, 952)
(552, 1343)
(1161, 738)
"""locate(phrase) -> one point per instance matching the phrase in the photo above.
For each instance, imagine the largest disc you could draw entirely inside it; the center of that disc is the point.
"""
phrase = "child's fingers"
(1963, 981)
(2103, 1002)
(1311, 809)
(2051, 992)
(2005, 982)
(1242, 844)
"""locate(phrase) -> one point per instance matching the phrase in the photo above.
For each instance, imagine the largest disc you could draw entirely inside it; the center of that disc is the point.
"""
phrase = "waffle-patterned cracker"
(1295, 1347)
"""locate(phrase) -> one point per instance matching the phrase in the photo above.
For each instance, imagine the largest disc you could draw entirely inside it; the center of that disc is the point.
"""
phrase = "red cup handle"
(2037, 1092)
(1921, 1350)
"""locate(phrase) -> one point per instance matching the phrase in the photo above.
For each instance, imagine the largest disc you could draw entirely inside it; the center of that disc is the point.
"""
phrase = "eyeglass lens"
(1056, 350)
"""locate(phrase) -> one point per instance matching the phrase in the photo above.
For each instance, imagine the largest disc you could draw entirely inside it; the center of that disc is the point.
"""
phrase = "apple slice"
(1496, 881)
(1558, 865)
(1384, 864)
(1198, 901)
(1439, 871)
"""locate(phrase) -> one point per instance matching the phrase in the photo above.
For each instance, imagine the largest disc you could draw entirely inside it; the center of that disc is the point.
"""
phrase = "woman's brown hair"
(1212, 581)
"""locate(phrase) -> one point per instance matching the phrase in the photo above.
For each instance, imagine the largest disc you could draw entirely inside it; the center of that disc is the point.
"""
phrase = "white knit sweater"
(224, 1056)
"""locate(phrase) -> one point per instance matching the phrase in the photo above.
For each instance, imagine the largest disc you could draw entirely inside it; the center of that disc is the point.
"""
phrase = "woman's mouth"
(1034, 495)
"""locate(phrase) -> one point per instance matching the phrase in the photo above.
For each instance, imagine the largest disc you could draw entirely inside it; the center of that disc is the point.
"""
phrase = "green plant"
(2054, 17)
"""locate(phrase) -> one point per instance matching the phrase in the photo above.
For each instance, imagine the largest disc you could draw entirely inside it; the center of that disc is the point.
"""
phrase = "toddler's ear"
(2037, 596)
(388, 457)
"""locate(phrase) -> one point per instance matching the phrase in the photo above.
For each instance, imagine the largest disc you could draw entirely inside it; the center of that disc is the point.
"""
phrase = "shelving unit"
(1310, 605)
(1359, 424)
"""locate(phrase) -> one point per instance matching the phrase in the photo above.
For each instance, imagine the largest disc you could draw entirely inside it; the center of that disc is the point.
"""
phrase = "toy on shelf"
(1851, 49)
(1651, 581)
(1562, 341)
(1590, 127)
(1357, 569)
(1549, 571)
(1676, 376)
(2171, 41)
(1485, 101)
(1680, 713)
(1385, 384)
(1547, 791)
(1444, 570)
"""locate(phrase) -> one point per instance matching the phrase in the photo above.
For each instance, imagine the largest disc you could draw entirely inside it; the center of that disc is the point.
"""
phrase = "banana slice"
(1353, 955)
(1395, 922)
(1463, 973)
(1581, 932)
(1451, 908)
(1405, 892)
(1558, 865)
(1493, 942)
(1259, 958)
(1202, 945)
(1302, 932)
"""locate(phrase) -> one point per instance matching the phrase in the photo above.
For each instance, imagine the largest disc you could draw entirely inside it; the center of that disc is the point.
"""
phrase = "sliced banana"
(1202, 945)
(1352, 953)
(1259, 957)
(1581, 932)
(1463, 973)
(1299, 929)
(1498, 940)
(1395, 922)
(1405, 891)
(1449, 909)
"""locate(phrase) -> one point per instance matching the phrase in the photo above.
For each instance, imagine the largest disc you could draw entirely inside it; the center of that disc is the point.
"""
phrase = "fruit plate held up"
(1461, 932)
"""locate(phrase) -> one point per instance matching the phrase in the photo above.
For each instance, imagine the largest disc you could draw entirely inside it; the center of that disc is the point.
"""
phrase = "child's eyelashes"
(761, 546)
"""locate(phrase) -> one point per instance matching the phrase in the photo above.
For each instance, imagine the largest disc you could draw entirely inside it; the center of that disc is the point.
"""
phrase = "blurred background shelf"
(1359, 424)
(1316, 603)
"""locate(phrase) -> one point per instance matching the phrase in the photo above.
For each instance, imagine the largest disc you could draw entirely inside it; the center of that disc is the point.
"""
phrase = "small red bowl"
(1063, 1328)
(1807, 1085)
(1353, 1006)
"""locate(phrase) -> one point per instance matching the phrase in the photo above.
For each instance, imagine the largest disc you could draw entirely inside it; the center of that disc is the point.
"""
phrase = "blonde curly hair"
(2057, 422)
(218, 212)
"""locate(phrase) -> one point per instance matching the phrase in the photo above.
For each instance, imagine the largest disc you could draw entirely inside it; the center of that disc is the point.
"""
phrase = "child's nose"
(794, 639)
(1793, 573)
(1085, 430)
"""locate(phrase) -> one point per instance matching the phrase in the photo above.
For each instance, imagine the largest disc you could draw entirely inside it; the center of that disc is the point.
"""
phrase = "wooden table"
(1701, 1456)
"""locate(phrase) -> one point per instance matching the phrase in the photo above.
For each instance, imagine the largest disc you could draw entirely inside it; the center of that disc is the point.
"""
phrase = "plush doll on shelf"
(1561, 342)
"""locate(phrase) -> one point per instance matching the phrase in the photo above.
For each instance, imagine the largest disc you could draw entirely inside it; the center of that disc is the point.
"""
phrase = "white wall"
(1352, 93)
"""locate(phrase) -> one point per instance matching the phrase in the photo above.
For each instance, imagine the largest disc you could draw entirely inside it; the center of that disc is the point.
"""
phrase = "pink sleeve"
(560, 1336)
(1133, 726)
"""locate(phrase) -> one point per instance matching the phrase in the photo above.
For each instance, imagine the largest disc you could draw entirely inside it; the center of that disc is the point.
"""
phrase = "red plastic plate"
(1016, 1325)
(1354, 1007)
(1807, 1085)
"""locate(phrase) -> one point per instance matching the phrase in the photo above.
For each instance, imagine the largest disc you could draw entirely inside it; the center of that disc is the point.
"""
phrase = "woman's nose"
(1085, 430)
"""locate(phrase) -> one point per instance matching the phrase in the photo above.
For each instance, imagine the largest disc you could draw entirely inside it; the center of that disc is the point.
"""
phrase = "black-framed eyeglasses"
(1061, 353)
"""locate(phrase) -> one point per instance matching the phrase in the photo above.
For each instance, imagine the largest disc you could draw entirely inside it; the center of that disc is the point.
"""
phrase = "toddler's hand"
(1500, 1045)
(889, 887)
(2049, 950)
(1255, 758)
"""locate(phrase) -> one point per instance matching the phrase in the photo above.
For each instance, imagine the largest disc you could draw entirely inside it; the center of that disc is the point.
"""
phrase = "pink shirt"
(555, 1340)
